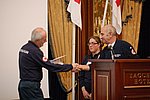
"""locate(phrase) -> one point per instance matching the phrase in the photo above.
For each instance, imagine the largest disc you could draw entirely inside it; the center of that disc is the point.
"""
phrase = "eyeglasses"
(92, 43)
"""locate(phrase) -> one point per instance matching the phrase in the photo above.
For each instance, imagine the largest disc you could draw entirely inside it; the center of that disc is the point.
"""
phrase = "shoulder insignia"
(132, 51)
(44, 59)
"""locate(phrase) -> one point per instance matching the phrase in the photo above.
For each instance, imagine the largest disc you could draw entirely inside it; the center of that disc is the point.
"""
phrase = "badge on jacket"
(44, 59)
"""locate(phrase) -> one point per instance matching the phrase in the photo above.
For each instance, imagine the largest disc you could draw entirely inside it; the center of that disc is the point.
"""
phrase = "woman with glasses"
(95, 46)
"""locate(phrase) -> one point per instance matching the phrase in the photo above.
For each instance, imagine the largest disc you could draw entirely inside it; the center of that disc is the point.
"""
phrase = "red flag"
(116, 16)
(74, 8)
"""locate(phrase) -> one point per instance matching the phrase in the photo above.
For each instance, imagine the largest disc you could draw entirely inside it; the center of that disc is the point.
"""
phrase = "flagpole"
(74, 8)
(73, 60)
(105, 11)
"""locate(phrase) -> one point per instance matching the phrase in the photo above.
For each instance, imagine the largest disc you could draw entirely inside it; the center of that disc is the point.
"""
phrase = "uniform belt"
(29, 80)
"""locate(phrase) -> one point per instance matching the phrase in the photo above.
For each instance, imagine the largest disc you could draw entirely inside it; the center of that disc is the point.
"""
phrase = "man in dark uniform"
(31, 61)
(115, 49)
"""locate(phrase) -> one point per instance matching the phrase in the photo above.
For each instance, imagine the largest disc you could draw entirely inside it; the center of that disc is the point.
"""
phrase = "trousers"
(29, 90)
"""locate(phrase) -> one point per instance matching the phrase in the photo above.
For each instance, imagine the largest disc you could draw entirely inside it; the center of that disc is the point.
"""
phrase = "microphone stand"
(112, 53)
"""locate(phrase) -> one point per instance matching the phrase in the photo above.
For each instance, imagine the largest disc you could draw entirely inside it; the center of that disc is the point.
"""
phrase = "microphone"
(111, 51)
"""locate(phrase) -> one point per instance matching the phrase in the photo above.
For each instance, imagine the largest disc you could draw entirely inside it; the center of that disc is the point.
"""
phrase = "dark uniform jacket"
(31, 61)
(85, 76)
(121, 50)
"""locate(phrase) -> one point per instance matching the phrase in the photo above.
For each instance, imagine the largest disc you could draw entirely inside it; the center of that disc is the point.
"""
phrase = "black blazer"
(121, 50)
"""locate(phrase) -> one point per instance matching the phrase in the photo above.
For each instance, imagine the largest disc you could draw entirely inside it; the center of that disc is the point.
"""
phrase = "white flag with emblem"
(74, 8)
(116, 15)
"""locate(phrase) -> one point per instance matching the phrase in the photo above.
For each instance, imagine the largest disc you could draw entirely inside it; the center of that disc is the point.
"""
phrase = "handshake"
(77, 67)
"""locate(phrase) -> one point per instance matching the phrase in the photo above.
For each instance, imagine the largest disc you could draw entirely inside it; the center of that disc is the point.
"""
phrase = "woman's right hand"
(85, 93)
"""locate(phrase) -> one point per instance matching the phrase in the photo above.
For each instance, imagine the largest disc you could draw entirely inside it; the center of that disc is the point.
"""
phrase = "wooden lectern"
(120, 79)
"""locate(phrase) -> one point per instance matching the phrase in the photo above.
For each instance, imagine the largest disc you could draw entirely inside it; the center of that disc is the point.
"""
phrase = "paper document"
(57, 60)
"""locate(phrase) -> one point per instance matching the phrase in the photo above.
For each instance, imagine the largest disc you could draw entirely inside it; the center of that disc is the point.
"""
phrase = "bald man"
(115, 49)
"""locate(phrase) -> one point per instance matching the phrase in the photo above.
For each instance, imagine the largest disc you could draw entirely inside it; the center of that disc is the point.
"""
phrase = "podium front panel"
(124, 79)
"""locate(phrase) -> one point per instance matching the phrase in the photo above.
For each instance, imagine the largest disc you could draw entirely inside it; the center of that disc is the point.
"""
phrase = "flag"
(74, 8)
(116, 15)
